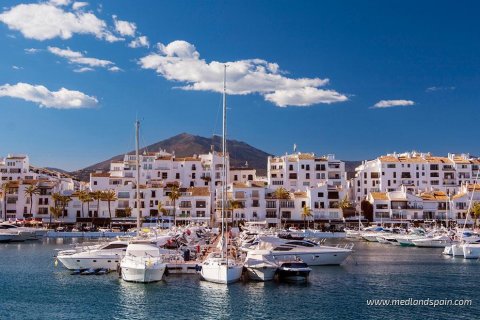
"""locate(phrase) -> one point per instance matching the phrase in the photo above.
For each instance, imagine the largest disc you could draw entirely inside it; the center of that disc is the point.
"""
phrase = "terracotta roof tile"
(100, 174)
(379, 195)
(199, 191)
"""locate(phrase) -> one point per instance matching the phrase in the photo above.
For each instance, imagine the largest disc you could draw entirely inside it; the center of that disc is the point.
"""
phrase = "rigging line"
(470, 202)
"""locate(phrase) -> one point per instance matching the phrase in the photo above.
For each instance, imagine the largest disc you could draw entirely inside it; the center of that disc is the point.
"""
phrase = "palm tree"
(29, 192)
(161, 210)
(97, 195)
(88, 199)
(128, 212)
(4, 189)
(476, 211)
(83, 196)
(55, 212)
(174, 195)
(281, 194)
(234, 204)
(57, 198)
(64, 200)
(109, 196)
(344, 204)
(306, 213)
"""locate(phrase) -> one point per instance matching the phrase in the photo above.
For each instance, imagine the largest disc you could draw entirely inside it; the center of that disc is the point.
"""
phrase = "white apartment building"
(197, 171)
(416, 172)
(16, 175)
(300, 171)
(242, 175)
(401, 205)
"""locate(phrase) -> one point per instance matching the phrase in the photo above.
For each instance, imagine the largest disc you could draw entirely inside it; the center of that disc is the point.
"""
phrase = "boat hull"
(471, 251)
(6, 237)
(314, 259)
(221, 273)
(457, 250)
(143, 274)
(293, 275)
(75, 263)
(261, 273)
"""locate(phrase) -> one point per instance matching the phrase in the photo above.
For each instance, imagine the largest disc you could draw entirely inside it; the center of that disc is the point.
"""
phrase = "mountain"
(350, 166)
(185, 145)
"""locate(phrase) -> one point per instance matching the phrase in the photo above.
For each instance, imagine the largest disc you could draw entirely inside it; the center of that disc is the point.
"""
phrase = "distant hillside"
(185, 145)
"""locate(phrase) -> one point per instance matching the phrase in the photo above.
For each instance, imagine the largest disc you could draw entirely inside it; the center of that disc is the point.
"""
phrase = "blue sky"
(357, 79)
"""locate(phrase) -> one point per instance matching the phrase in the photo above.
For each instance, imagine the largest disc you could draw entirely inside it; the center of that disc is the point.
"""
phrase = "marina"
(375, 271)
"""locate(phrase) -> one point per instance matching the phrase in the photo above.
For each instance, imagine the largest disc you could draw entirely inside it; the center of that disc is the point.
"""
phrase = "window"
(177, 175)
(94, 182)
(123, 195)
(391, 166)
(320, 194)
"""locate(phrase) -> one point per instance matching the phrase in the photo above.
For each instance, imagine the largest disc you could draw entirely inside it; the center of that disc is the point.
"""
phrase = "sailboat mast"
(224, 150)
(137, 128)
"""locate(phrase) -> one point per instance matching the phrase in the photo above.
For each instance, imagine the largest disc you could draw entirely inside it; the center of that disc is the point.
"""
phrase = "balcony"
(449, 182)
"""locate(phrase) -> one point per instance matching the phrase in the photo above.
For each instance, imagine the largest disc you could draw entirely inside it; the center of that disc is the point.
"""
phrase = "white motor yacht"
(260, 265)
(312, 253)
(20, 233)
(106, 256)
(433, 242)
(142, 263)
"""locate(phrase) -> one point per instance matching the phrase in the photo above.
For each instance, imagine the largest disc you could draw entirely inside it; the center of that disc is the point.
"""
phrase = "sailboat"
(217, 267)
(142, 261)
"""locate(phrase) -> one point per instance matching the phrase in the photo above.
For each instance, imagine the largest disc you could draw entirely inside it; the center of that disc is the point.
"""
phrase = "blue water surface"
(31, 287)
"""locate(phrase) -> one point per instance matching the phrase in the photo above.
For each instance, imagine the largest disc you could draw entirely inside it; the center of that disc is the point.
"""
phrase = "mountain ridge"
(185, 144)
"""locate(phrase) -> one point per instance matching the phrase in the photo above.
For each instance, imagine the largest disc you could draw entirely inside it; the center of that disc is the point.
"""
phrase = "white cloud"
(17, 68)
(304, 97)
(115, 69)
(78, 58)
(32, 50)
(61, 99)
(79, 4)
(124, 28)
(60, 2)
(393, 103)
(180, 61)
(434, 88)
(138, 42)
(45, 21)
(84, 69)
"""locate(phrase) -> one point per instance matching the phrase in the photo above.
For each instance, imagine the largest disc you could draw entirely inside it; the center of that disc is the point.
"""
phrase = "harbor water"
(33, 288)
